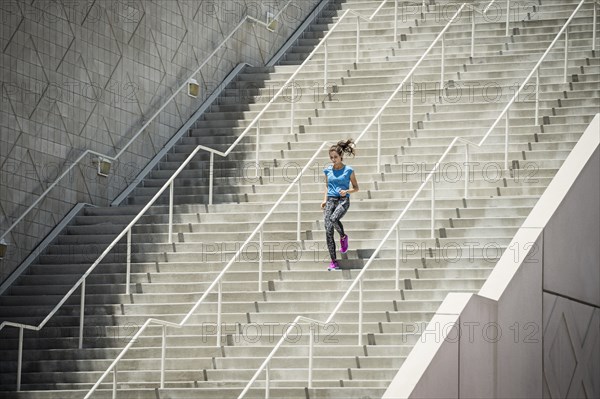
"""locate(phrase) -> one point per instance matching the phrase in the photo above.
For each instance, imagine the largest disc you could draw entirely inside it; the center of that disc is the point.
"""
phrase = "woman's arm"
(354, 188)
(325, 195)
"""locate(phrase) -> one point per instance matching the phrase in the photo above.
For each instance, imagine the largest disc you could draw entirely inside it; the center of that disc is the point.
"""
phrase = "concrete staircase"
(167, 279)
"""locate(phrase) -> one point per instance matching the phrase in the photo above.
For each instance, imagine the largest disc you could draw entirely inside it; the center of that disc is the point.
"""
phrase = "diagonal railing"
(395, 226)
(111, 159)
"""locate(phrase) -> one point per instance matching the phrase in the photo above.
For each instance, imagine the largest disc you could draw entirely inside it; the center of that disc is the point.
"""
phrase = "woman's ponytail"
(344, 147)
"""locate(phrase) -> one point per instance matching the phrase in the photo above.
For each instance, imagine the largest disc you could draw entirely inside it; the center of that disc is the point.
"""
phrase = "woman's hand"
(343, 192)
(323, 204)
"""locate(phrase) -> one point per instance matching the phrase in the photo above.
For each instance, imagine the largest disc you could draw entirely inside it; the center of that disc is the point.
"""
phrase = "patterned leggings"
(335, 209)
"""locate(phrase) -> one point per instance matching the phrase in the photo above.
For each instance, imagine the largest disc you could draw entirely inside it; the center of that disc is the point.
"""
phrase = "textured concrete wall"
(86, 74)
(571, 291)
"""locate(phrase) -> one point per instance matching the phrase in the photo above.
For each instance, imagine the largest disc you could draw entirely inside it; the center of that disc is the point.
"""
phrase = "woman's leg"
(338, 213)
(330, 207)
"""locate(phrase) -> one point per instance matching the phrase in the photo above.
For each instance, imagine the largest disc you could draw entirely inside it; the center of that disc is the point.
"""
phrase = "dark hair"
(342, 147)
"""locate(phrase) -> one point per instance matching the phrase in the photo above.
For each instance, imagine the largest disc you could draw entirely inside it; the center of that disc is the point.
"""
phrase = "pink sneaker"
(333, 266)
(344, 244)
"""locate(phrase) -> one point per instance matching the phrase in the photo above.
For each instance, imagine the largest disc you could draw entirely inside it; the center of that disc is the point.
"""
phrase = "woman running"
(336, 201)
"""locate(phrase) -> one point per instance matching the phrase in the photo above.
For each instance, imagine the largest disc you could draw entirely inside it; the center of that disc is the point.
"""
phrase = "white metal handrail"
(395, 226)
(140, 131)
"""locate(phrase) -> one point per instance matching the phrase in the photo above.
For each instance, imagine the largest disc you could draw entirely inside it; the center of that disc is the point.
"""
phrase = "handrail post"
(257, 146)
(20, 359)
(298, 222)
(219, 313)
(595, 14)
(114, 390)
(267, 381)
(397, 257)
(162, 356)
(211, 174)
(395, 21)
(311, 328)
(128, 273)
(467, 170)
(293, 108)
(171, 193)
(360, 311)
(537, 96)
(506, 128)
(81, 314)
(357, 37)
(412, 101)
(507, 16)
(432, 206)
(260, 259)
(379, 144)
(443, 61)
(566, 54)
(325, 69)
(473, 33)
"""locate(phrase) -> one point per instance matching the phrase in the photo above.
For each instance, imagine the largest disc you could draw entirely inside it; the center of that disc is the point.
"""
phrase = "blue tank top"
(338, 180)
